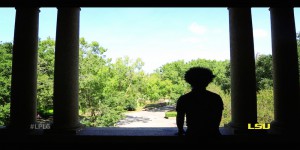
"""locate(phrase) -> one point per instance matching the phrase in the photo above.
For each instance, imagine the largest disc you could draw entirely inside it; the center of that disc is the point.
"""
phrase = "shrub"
(4, 114)
(45, 113)
(265, 106)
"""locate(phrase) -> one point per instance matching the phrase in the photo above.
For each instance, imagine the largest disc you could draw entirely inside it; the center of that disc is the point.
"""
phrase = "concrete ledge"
(115, 131)
(143, 131)
(142, 138)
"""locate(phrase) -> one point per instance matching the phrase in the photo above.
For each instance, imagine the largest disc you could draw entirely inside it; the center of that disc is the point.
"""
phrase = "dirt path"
(148, 118)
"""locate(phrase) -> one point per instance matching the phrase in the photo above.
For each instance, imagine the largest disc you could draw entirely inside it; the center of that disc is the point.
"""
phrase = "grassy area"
(170, 114)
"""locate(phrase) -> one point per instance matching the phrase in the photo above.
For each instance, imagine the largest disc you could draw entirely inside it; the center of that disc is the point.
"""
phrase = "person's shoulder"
(216, 97)
(182, 100)
(185, 96)
(212, 94)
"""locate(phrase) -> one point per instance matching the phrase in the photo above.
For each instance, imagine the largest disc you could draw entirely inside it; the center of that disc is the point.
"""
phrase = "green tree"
(127, 78)
(265, 106)
(172, 82)
(4, 114)
(45, 71)
(225, 80)
(93, 74)
(107, 88)
(5, 72)
(263, 66)
(5, 81)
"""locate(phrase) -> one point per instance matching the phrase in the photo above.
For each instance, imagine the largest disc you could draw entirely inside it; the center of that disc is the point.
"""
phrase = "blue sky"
(157, 35)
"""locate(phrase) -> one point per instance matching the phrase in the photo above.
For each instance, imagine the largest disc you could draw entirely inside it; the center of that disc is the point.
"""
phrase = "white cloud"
(195, 28)
(260, 33)
(217, 31)
(192, 40)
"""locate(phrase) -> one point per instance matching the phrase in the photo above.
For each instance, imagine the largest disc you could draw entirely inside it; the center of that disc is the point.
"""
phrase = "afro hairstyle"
(198, 76)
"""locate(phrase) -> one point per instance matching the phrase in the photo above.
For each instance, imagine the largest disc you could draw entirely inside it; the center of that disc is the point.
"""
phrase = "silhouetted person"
(202, 108)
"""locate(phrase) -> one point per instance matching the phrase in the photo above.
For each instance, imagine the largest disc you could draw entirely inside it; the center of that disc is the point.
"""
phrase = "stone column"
(285, 71)
(66, 70)
(242, 61)
(24, 69)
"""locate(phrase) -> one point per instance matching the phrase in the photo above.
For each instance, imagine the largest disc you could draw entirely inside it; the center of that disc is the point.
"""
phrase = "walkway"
(148, 118)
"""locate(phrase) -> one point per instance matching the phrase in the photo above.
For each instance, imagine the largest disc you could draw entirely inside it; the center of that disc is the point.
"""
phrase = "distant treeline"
(108, 88)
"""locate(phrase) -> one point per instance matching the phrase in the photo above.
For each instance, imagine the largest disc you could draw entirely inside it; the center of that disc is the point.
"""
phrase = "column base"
(18, 131)
(66, 131)
(278, 128)
(242, 129)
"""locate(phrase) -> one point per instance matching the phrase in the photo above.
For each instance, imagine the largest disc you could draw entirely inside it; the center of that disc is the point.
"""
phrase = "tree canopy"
(108, 88)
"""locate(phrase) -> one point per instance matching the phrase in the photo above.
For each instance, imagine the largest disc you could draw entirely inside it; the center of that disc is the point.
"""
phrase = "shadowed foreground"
(142, 138)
